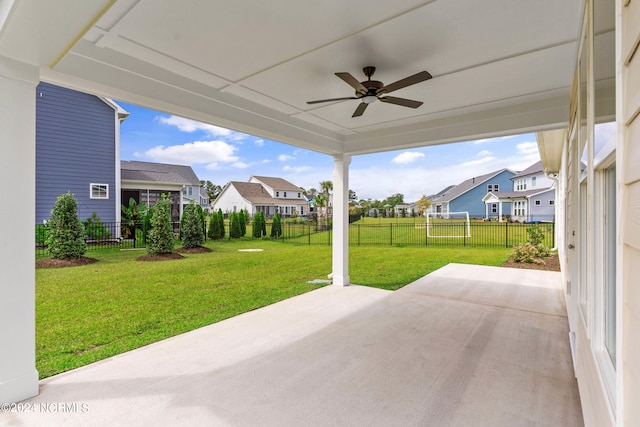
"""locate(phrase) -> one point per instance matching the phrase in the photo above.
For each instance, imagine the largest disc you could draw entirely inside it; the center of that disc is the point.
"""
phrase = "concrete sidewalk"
(464, 346)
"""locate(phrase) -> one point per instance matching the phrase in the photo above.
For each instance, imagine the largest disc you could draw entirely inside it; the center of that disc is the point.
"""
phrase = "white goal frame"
(447, 215)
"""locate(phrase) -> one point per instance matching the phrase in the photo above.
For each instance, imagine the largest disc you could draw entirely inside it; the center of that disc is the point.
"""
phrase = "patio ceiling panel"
(252, 67)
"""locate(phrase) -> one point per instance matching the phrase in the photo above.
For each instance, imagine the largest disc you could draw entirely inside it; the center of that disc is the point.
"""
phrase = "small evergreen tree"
(257, 225)
(191, 234)
(234, 226)
(160, 237)
(221, 224)
(214, 232)
(263, 224)
(242, 220)
(202, 220)
(276, 227)
(66, 232)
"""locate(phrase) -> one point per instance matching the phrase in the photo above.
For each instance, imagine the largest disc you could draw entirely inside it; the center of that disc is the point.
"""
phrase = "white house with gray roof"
(263, 194)
(146, 181)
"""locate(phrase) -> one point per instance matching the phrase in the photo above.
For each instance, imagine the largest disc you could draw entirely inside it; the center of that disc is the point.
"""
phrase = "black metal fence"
(391, 233)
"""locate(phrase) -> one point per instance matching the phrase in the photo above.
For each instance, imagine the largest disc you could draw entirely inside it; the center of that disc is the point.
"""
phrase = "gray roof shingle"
(277, 183)
(132, 170)
(465, 186)
(534, 169)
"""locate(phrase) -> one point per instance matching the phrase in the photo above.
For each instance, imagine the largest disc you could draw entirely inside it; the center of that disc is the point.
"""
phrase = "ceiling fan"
(370, 91)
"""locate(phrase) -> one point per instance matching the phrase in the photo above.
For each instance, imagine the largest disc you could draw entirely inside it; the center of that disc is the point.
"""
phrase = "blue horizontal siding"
(471, 201)
(75, 146)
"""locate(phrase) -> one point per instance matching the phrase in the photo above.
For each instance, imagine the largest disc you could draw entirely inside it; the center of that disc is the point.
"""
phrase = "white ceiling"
(499, 66)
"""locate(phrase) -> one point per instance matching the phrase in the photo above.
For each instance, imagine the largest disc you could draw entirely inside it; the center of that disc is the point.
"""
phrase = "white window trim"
(91, 196)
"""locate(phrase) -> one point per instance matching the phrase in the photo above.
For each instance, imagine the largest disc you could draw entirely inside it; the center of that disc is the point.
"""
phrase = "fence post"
(358, 234)
(506, 234)
(553, 234)
(391, 230)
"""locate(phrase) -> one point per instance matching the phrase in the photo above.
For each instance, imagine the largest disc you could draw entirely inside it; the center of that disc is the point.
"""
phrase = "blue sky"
(220, 155)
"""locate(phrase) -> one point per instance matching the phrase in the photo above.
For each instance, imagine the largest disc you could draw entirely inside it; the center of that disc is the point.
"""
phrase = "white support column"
(341, 219)
(18, 375)
(500, 210)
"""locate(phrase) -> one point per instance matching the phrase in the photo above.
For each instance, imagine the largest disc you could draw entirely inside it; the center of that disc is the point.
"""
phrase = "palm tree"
(326, 187)
(321, 202)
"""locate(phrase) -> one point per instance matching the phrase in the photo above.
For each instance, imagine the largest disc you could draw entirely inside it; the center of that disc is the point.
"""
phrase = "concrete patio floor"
(464, 346)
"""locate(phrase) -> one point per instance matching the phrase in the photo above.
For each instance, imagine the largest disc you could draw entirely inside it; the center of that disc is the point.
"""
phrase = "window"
(552, 202)
(519, 208)
(533, 182)
(609, 249)
(298, 195)
(277, 194)
(285, 194)
(99, 191)
(537, 202)
(493, 187)
(494, 208)
(521, 184)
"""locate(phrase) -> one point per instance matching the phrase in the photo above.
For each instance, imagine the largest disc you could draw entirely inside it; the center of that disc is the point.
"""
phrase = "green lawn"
(88, 313)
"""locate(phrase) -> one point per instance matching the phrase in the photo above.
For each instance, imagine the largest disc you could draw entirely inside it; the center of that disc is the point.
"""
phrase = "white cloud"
(240, 165)
(190, 126)
(285, 157)
(296, 169)
(211, 153)
(477, 162)
(266, 161)
(407, 157)
(259, 142)
(484, 153)
(527, 147)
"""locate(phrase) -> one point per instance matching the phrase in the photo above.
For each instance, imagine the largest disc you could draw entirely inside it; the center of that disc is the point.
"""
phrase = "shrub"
(95, 229)
(276, 227)
(242, 220)
(42, 234)
(66, 232)
(530, 253)
(160, 237)
(221, 224)
(258, 219)
(536, 235)
(234, 226)
(214, 232)
(202, 221)
(191, 234)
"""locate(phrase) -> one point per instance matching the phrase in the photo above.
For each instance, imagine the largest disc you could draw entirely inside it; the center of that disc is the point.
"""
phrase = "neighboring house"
(407, 207)
(263, 194)
(467, 196)
(146, 181)
(532, 199)
(77, 150)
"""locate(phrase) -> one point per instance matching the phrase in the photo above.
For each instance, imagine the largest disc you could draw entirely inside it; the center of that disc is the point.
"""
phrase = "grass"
(88, 313)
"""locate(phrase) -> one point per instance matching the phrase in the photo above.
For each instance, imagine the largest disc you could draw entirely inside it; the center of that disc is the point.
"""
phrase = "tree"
(235, 231)
(327, 187)
(66, 232)
(160, 238)
(191, 227)
(258, 222)
(221, 224)
(321, 203)
(423, 204)
(276, 227)
(394, 199)
(242, 219)
(203, 220)
(214, 232)
(213, 190)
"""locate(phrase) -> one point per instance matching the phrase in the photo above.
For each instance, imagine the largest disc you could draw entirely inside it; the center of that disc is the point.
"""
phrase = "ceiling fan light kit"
(370, 91)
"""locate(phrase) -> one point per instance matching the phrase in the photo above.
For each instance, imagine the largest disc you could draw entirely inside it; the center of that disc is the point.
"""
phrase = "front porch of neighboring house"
(494, 207)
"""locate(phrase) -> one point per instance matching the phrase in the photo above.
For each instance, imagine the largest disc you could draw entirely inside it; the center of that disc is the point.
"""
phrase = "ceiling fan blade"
(352, 81)
(408, 81)
(363, 106)
(401, 101)
(332, 99)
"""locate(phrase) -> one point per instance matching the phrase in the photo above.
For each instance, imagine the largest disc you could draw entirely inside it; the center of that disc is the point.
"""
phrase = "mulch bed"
(160, 257)
(198, 250)
(67, 262)
(551, 263)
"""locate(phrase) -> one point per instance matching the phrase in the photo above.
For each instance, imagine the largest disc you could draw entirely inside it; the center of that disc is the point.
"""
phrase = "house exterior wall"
(471, 201)
(75, 146)
(628, 94)
(540, 181)
(545, 211)
(230, 200)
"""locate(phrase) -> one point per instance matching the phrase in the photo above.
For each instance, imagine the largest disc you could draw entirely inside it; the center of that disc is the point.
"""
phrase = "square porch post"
(340, 248)
(18, 374)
